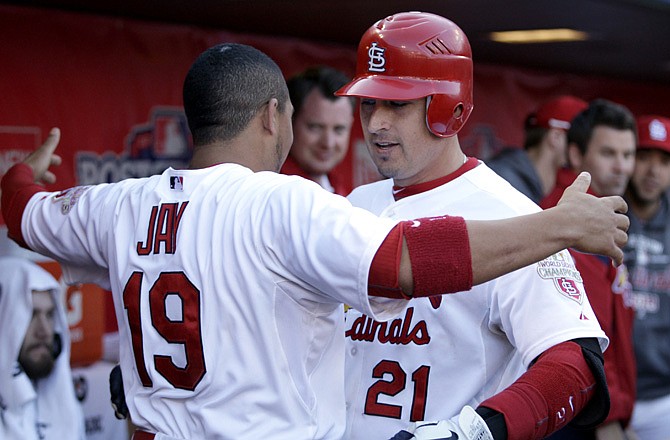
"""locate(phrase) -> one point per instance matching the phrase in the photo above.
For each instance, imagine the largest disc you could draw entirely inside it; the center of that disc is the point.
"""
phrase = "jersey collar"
(400, 192)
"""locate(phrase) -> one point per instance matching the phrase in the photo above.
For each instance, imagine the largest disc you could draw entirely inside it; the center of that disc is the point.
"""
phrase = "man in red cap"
(648, 257)
(602, 141)
(532, 170)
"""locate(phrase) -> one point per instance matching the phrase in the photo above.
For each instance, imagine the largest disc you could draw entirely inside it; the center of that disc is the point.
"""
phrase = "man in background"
(321, 127)
(648, 260)
(532, 170)
(37, 397)
(602, 140)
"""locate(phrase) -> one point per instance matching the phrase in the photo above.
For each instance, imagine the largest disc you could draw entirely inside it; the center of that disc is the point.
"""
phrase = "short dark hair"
(534, 133)
(323, 78)
(225, 87)
(599, 112)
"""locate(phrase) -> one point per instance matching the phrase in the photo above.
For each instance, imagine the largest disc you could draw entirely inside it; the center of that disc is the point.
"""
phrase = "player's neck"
(449, 160)
(256, 147)
(245, 151)
(545, 167)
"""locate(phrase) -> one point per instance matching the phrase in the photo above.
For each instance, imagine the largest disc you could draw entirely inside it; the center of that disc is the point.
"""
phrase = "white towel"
(50, 410)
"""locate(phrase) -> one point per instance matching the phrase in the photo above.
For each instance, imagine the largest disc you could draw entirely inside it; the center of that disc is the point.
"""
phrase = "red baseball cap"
(653, 132)
(558, 112)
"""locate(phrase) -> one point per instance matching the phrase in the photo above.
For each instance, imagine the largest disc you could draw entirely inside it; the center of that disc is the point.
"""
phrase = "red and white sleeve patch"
(560, 268)
(69, 197)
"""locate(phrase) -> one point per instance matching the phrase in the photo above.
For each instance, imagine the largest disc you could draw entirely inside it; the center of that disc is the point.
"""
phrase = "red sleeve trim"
(385, 267)
(18, 187)
(439, 250)
(547, 396)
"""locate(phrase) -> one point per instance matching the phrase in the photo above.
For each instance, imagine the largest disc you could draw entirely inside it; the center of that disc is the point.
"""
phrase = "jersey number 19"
(186, 331)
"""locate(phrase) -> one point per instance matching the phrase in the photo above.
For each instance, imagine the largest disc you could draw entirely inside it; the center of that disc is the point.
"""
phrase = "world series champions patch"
(69, 198)
(560, 268)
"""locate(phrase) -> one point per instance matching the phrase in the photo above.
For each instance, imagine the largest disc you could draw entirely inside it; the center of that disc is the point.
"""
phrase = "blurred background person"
(532, 169)
(602, 140)
(37, 398)
(321, 127)
(648, 259)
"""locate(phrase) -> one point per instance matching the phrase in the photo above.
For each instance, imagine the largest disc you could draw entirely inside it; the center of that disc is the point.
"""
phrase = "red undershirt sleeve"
(439, 251)
(18, 186)
(547, 396)
(383, 278)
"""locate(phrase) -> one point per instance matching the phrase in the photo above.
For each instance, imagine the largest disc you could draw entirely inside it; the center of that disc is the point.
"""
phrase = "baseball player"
(228, 278)
(524, 349)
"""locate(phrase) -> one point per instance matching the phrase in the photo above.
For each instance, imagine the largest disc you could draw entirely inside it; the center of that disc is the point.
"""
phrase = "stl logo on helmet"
(377, 60)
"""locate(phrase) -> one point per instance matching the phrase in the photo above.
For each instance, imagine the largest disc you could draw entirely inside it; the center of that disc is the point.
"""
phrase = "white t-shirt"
(459, 349)
(228, 287)
(92, 388)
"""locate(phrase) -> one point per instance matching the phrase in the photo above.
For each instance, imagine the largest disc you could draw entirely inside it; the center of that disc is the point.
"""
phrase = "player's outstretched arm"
(580, 220)
(434, 257)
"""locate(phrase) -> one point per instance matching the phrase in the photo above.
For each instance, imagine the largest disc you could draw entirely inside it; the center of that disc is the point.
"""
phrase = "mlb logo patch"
(177, 183)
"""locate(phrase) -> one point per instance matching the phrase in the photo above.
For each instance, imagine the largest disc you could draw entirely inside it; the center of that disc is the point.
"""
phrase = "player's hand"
(118, 397)
(468, 425)
(43, 158)
(599, 223)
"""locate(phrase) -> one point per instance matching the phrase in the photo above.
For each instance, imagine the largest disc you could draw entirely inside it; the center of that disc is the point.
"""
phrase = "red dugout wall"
(113, 86)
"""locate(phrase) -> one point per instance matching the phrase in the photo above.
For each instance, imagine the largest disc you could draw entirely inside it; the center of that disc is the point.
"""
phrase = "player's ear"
(270, 116)
(575, 157)
(556, 138)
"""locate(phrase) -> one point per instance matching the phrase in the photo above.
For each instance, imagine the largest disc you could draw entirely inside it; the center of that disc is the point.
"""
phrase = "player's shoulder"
(365, 192)
(234, 178)
(499, 192)
(106, 193)
(296, 194)
(291, 185)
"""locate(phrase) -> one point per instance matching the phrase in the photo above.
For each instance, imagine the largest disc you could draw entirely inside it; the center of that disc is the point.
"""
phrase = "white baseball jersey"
(459, 349)
(228, 287)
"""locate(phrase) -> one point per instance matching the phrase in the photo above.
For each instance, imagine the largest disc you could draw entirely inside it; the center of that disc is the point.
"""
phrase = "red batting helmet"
(413, 55)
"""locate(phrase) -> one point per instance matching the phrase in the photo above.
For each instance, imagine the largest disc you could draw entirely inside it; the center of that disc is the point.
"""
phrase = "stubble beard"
(37, 368)
(640, 199)
(279, 153)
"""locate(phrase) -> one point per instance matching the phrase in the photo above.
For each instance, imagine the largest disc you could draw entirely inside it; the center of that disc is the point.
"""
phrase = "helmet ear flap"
(445, 116)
